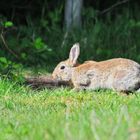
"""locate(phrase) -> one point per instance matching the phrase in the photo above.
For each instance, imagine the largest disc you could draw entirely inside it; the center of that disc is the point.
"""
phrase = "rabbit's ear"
(74, 53)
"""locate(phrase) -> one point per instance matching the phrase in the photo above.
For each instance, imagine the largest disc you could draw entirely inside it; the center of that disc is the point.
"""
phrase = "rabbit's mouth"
(63, 77)
(60, 78)
(57, 78)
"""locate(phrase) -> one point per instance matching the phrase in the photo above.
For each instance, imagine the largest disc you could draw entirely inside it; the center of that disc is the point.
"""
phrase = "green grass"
(59, 114)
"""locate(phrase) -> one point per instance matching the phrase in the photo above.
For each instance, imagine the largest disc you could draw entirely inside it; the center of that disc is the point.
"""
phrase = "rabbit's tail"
(138, 86)
(138, 90)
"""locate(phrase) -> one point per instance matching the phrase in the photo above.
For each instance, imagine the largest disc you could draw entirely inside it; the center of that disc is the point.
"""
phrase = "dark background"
(38, 36)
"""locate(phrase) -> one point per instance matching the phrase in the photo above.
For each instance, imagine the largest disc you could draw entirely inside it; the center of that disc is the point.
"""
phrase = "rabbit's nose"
(56, 76)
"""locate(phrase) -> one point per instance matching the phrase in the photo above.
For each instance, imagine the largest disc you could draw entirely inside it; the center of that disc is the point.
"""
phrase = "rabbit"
(119, 74)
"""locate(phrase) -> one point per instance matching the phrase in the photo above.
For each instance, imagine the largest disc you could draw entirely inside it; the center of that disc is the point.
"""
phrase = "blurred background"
(40, 33)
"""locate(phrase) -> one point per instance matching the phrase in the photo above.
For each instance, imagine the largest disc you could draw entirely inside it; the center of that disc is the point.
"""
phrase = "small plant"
(10, 70)
(8, 24)
(40, 45)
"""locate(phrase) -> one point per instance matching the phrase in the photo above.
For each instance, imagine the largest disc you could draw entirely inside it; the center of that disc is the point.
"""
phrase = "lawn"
(62, 114)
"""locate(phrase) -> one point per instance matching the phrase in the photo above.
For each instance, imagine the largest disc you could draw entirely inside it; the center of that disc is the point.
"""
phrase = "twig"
(6, 46)
(43, 81)
(113, 6)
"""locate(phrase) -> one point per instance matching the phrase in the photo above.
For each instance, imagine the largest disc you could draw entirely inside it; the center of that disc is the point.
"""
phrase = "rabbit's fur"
(119, 74)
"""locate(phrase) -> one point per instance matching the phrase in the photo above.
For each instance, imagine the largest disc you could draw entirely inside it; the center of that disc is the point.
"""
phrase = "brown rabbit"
(120, 74)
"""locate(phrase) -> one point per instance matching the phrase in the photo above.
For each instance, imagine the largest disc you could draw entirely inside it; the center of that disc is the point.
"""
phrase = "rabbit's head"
(64, 69)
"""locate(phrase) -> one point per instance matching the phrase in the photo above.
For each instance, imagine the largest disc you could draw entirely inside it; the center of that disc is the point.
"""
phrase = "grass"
(60, 114)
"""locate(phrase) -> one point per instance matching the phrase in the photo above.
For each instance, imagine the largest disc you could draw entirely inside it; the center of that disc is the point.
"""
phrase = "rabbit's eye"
(62, 67)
